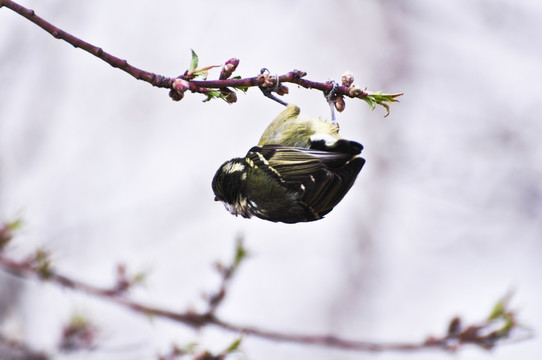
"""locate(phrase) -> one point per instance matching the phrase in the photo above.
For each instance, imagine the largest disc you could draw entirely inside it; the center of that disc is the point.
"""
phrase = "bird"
(299, 171)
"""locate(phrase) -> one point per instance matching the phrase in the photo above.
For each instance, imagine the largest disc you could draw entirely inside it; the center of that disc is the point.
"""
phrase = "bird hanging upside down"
(300, 170)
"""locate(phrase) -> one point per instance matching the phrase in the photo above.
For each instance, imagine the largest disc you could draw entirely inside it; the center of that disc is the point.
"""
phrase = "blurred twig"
(191, 350)
(180, 84)
(226, 273)
(78, 334)
(14, 350)
(500, 324)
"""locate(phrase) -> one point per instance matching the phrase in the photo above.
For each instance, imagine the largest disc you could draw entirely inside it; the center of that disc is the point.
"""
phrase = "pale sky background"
(444, 219)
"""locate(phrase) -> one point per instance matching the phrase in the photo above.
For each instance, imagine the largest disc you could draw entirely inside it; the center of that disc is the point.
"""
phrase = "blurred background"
(444, 219)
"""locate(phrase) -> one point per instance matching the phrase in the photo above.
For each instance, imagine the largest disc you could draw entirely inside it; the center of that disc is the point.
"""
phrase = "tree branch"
(178, 85)
(484, 335)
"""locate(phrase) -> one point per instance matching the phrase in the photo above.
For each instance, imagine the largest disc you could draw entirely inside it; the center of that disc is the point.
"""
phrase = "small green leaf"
(43, 264)
(501, 307)
(7, 230)
(194, 62)
(190, 348)
(140, 278)
(209, 67)
(370, 101)
(242, 88)
(377, 98)
(213, 94)
(234, 346)
(202, 73)
(14, 225)
(240, 252)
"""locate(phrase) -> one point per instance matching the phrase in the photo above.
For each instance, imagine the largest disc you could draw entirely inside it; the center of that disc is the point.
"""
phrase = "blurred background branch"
(500, 325)
(14, 350)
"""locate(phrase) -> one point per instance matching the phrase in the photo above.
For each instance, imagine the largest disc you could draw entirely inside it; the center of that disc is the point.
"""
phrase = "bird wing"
(321, 178)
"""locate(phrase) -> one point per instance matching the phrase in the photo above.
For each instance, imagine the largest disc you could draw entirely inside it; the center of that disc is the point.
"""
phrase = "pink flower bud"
(180, 85)
(228, 68)
(347, 79)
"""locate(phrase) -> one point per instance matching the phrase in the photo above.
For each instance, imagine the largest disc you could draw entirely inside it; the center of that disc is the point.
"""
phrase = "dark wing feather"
(340, 146)
(322, 178)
